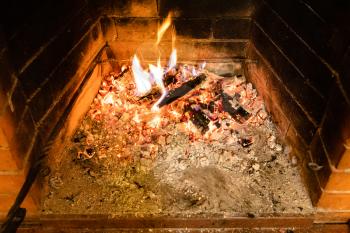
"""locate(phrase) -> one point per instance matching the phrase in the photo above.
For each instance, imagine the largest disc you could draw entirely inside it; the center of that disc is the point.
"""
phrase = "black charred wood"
(182, 90)
(169, 79)
(238, 114)
(245, 142)
(200, 120)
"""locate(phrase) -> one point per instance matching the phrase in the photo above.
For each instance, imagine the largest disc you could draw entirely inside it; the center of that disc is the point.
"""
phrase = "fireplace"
(56, 70)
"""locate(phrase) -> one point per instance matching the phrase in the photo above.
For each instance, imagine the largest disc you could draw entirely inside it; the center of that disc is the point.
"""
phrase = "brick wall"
(303, 75)
(45, 49)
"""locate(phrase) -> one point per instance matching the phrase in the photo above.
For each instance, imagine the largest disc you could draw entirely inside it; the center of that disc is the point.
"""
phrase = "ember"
(170, 139)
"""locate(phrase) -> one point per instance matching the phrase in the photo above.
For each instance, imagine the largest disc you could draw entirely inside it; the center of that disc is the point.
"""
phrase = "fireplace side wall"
(45, 49)
(303, 75)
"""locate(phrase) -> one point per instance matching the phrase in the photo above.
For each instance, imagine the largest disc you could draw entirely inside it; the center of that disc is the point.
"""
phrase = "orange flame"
(162, 29)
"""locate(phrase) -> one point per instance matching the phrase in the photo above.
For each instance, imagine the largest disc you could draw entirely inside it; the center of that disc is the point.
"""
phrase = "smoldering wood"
(239, 114)
(198, 118)
(182, 90)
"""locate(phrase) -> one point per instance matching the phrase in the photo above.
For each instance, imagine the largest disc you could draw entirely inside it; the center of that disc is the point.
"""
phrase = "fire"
(172, 60)
(162, 29)
(141, 77)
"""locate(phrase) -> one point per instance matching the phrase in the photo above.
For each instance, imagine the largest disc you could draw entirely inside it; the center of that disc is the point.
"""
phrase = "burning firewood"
(182, 90)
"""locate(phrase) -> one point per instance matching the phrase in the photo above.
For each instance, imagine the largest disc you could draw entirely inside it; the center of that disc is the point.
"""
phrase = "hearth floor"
(185, 177)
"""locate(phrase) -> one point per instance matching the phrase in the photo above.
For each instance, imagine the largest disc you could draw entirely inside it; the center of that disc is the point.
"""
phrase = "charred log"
(182, 90)
(198, 118)
(239, 114)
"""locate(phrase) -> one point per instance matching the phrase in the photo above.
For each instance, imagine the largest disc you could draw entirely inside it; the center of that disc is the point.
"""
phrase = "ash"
(211, 150)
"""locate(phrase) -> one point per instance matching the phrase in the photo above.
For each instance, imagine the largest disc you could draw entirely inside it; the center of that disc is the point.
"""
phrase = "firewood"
(182, 90)
(238, 114)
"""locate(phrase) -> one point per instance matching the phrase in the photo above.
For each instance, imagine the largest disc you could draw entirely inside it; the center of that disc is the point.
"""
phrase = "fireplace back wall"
(45, 55)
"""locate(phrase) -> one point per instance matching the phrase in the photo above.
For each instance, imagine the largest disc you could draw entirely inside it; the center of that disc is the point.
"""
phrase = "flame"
(172, 60)
(162, 29)
(157, 74)
(141, 77)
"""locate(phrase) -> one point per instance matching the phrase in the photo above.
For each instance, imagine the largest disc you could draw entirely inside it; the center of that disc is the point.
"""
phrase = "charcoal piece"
(169, 79)
(238, 114)
(203, 106)
(120, 74)
(241, 115)
(211, 106)
(198, 118)
(182, 90)
(217, 124)
(245, 142)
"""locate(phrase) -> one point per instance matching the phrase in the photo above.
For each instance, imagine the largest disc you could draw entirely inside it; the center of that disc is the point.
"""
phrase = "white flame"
(141, 77)
(172, 60)
(157, 73)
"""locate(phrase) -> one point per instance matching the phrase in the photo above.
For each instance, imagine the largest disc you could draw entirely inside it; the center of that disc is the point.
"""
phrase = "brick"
(320, 34)
(3, 140)
(345, 73)
(140, 8)
(23, 139)
(42, 66)
(330, 201)
(39, 28)
(3, 101)
(319, 156)
(232, 28)
(8, 123)
(336, 126)
(208, 8)
(344, 162)
(332, 216)
(7, 162)
(73, 66)
(338, 181)
(314, 70)
(257, 75)
(193, 28)
(11, 184)
(205, 50)
(6, 201)
(311, 101)
(279, 94)
(7, 78)
(108, 28)
(136, 29)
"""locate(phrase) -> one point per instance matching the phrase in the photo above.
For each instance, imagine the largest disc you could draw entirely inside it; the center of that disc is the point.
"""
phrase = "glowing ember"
(109, 98)
(155, 122)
